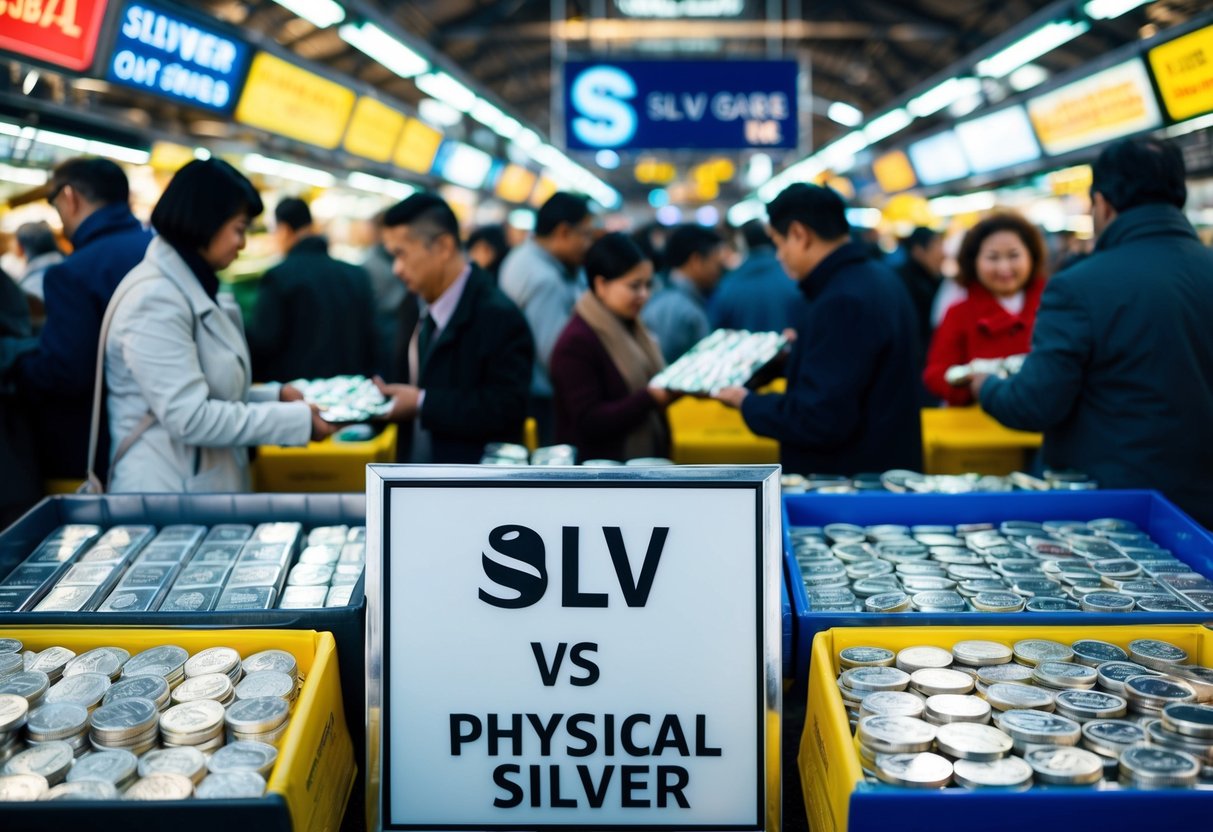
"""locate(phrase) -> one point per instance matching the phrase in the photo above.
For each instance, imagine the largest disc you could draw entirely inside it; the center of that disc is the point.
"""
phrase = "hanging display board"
(573, 649)
(62, 33)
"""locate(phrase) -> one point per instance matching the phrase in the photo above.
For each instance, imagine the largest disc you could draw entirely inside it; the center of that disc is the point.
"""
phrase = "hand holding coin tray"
(344, 399)
(726, 358)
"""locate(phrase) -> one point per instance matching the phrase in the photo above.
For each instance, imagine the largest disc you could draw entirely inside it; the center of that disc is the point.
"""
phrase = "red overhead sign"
(59, 32)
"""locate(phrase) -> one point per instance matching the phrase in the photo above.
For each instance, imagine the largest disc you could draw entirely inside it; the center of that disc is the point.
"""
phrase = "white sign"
(576, 649)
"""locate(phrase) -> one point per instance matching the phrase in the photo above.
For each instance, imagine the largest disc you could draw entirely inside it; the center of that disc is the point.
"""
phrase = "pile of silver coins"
(1105, 565)
(344, 399)
(725, 358)
(991, 715)
(157, 725)
(912, 482)
(187, 568)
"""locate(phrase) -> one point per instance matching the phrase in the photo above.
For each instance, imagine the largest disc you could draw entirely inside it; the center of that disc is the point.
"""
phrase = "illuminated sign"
(462, 164)
(374, 129)
(673, 9)
(418, 146)
(1105, 106)
(939, 159)
(167, 54)
(1184, 71)
(62, 33)
(675, 105)
(893, 172)
(999, 140)
(290, 101)
(516, 183)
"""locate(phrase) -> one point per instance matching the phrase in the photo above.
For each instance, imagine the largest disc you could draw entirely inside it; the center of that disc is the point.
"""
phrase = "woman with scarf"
(177, 380)
(604, 359)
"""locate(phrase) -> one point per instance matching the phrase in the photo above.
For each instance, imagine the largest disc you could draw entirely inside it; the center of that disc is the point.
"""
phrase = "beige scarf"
(633, 350)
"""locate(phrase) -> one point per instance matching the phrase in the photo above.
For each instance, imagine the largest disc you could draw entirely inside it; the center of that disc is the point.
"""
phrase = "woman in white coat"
(176, 362)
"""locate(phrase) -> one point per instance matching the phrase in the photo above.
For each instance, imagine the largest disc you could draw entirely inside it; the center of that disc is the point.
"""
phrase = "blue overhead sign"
(676, 105)
(167, 53)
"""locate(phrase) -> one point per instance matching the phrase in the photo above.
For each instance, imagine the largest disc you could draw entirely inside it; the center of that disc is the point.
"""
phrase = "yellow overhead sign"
(418, 146)
(373, 130)
(516, 183)
(543, 191)
(894, 173)
(1104, 106)
(1184, 71)
(290, 101)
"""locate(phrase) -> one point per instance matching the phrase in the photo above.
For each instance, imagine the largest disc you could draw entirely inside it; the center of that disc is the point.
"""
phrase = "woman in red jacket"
(1001, 264)
(603, 361)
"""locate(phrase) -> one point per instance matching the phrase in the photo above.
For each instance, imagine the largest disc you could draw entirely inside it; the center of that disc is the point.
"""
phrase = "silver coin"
(52, 760)
(231, 785)
(57, 721)
(85, 689)
(13, 712)
(166, 655)
(949, 707)
(970, 741)
(1155, 654)
(887, 602)
(11, 645)
(102, 660)
(244, 756)
(1043, 604)
(892, 703)
(212, 660)
(859, 679)
(164, 786)
(920, 658)
(116, 766)
(977, 653)
(1027, 726)
(922, 770)
(185, 760)
(865, 657)
(192, 719)
(1113, 675)
(1199, 678)
(82, 790)
(1093, 653)
(1107, 602)
(124, 718)
(1157, 691)
(895, 734)
(1157, 734)
(932, 680)
(1064, 675)
(1065, 765)
(279, 660)
(1146, 765)
(51, 661)
(22, 787)
(11, 663)
(1110, 737)
(274, 683)
(1033, 651)
(996, 601)
(1005, 773)
(1007, 696)
(1190, 720)
(154, 688)
(216, 686)
(1084, 705)
(1004, 673)
(258, 715)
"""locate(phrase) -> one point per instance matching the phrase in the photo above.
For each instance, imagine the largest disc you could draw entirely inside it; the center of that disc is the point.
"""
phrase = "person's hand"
(732, 396)
(975, 384)
(287, 393)
(404, 398)
(789, 334)
(663, 397)
(320, 428)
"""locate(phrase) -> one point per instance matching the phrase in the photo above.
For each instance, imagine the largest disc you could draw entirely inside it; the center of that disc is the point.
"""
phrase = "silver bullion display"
(157, 725)
(1042, 713)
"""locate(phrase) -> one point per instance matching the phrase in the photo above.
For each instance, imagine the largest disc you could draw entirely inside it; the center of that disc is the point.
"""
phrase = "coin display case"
(309, 785)
(1165, 524)
(838, 797)
(160, 510)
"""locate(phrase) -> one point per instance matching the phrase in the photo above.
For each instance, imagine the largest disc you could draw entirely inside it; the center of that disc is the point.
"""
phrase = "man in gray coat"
(1120, 376)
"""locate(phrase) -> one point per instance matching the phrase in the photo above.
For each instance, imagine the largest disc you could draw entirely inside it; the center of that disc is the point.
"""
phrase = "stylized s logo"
(599, 95)
(523, 545)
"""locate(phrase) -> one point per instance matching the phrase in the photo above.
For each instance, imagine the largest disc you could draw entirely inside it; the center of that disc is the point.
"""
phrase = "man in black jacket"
(850, 405)
(315, 315)
(1120, 376)
(463, 369)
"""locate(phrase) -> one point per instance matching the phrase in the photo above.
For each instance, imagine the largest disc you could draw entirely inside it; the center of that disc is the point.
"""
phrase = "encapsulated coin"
(165, 786)
(1146, 765)
(1190, 720)
(231, 785)
(51, 760)
(1028, 726)
(920, 658)
(1010, 697)
(1156, 655)
(922, 771)
(82, 790)
(22, 787)
(1065, 765)
(260, 715)
(1005, 773)
(13, 712)
(115, 766)
(1083, 705)
(85, 689)
(212, 660)
(1093, 653)
(895, 734)
(1033, 651)
(933, 680)
(244, 756)
(857, 679)
(970, 741)
(950, 707)
(976, 653)
(1004, 673)
(183, 759)
(154, 688)
(892, 703)
(865, 657)
(1064, 675)
(1110, 737)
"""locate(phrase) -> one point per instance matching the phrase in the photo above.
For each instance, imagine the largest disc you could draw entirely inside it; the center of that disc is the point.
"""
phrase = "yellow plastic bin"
(326, 466)
(310, 784)
(838, 798)
(966, 440)
(706, 432)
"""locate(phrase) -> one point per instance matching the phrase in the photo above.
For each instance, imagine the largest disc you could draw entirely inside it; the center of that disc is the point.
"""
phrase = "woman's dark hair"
(613, 256)
(201, 198)
(970, 246)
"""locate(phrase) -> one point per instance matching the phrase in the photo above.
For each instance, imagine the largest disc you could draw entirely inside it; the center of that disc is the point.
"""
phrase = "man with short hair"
(756, 296)
(850, 404)
(315, 315)
(542, 277)
(678, 314)
(920, 273)
(1120, 375)
(464, 362)
(36, 243)
(92, 198)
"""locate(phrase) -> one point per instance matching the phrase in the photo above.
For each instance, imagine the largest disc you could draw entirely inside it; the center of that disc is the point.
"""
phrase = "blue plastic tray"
(1153, 513)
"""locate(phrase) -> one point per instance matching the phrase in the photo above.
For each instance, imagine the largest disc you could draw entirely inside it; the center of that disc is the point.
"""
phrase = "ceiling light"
(743, 212)
(438, 114)
(528, 139)
(256, 163)
(943, 95)
(23, 176)
(493, 118)
(845, 114)
(319, 13)
(1042, 41)
(1027, 76)
(378, 45)
(886, 125)
(447, 90)
(607, 159)
(379, 185)
(1109, 9)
